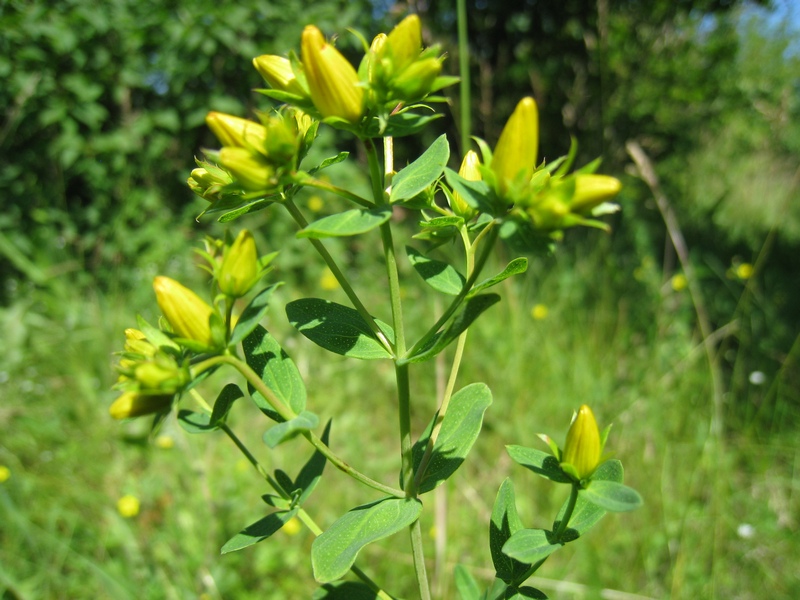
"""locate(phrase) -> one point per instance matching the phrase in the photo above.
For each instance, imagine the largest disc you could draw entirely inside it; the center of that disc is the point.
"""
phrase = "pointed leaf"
(155, 336)
(335, 551)
(229, 394)
(504, 523)
(441, 222)
(249, 208)
(466, 585)
(421, 173)
(497, 591)
(471, 310)
(337, 328)
(439, 275)
(195, 422)
(407, 123)
(612, 496)
(530, 545)
(258, 531)
(305, 421)
(460, 428)
(265, 356)
(347, 223)
(525, 592)
(539, 462)
(330, 161)
(474, 193)
(515, 267)
(252, 315)
(587, 514)
(344, 590)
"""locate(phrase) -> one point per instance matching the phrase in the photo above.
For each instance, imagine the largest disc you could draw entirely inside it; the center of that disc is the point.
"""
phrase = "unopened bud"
(582, 448)
(592, 190)
(515, 154)
(469, 171)
(404, 43)
(239, 271)
(252, 174)
(415, 81)
(133, 404)
(332, 80)
(235, 132)
(277, 72)
(189, 316)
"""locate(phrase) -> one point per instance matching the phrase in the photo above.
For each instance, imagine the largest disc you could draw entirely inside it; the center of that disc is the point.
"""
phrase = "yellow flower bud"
(332, 80)
(163, 375)
(277, 72)
(515, 154)
(133, 404)
(404, 43)
(189, 316)
(128, 506)
(469, 171)
(252, 174)
(416, 80)
(592, 190)
(582, 448)
(239, 271)
(235, 132)
(207, 182)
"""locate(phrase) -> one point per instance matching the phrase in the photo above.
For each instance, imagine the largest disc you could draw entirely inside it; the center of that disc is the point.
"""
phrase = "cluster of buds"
(545, 196)
(257, 159)
(395, 70)
(150, 376)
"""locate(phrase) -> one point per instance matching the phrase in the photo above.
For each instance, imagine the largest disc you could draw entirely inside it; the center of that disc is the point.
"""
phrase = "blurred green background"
(102, 113)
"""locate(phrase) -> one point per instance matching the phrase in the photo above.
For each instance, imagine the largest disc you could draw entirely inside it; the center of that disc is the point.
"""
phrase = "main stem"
(377, 176)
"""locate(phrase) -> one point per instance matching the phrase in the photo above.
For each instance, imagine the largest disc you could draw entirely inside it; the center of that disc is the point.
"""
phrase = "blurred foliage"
(104, 109)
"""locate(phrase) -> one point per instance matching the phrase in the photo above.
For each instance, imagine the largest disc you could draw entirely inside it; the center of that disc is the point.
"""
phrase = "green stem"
(340, 277)
(287, 413)
(491, 236)
(418, 553)
(304, 179)
(463, 71)
(451, 381)
(562, 527)
(307, 520)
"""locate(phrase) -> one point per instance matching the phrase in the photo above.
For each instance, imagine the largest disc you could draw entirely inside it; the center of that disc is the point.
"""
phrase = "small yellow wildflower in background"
(128, 506)
(432, 532)
(744, 271)
(292, 526)
(5, 473)
(679, 282)
(315, 204)
(165, 442)
(539, 312)
(328, 281)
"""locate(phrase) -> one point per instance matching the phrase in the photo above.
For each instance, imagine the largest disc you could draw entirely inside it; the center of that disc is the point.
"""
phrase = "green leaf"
(330, 161)
(460, 428)
(439, 275)
(475, 193)
(222, 406)
(471, 310)
(406, 123)
(504, 523)
(252, 315)
(421, 173)
(155, 336)
(305, 421)
(344, 590)
(278, 372)
(497, 591)
(530, 545)
(612, 496)
(441, 222)
(195, 422)
(515, 267)
(539, 462)
(337, 328)
(335, 551)
(466, 585)
(586, 514)
(248, 208)
(258, 531)
(350, 222)
(525, 592)
(311, 472)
